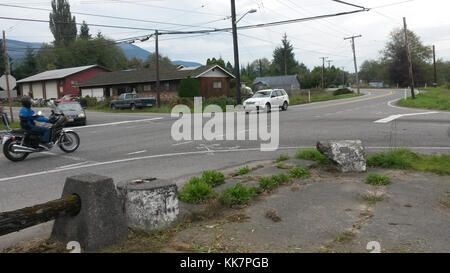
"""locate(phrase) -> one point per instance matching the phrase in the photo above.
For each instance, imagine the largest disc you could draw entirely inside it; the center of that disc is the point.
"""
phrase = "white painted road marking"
(138, 152)
(115, 123)
(394, 117)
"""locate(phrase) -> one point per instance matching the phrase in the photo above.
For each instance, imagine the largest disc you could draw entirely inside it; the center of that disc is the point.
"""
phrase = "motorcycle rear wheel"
(9, 154)
(69, 142)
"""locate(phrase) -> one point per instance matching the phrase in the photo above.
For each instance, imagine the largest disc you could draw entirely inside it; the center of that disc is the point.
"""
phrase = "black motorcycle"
(19, 143)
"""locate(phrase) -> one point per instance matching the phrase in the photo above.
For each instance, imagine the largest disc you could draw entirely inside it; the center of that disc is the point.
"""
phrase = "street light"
(236, 50)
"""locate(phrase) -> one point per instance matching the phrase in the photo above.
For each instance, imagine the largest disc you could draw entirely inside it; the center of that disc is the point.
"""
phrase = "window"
(74, 83)
(217, 84)
(147, 87)
(167, 86)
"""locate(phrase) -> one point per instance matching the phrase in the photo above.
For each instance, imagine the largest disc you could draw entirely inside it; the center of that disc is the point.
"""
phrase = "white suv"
(267, 100)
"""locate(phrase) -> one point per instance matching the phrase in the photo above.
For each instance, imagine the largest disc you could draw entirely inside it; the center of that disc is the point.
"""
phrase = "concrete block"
(101, 221)
(149, 204)
(346, 155)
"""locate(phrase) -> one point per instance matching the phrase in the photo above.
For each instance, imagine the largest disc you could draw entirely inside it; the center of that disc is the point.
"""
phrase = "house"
(54, 84)
(214, 82)
(288, 83)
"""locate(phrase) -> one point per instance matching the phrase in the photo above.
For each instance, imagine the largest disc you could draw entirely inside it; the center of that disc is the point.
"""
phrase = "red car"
(67, 98)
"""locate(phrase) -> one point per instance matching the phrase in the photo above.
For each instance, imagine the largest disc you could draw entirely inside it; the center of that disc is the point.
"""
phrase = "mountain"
(16, 50)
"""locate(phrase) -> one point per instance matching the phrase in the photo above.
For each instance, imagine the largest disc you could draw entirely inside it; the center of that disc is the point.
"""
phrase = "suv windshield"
(262, 94)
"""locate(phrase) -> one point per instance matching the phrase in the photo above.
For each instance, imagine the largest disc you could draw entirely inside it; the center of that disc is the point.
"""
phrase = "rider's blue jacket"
(27, 118)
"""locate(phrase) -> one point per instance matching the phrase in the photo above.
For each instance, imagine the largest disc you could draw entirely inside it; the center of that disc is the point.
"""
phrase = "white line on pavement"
(116, 123)
(138, 152)
(182, 143)
(394, 117)
(72, 165)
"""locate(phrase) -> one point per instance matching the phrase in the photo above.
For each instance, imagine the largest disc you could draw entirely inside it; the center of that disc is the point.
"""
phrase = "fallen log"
(13, 221)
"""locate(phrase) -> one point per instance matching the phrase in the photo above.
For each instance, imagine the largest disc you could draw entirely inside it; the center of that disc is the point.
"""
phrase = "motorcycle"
(18, 143)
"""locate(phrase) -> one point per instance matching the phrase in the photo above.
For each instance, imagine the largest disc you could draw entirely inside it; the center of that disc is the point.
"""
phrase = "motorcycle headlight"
(82, 115)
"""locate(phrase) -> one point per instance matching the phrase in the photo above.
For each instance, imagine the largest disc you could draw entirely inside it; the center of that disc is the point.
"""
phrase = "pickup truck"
(131, 101)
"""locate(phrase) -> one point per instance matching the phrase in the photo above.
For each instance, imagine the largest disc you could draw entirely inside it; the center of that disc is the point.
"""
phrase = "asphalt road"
(129, 146)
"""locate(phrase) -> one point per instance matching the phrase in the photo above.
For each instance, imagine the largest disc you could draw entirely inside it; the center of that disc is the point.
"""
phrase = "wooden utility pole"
(158, 84)
(354, 59)
(5, 54)
(329, 63)
(343, 76)
(435, 84)
(408, 52)
(323, 71)
(237, 67)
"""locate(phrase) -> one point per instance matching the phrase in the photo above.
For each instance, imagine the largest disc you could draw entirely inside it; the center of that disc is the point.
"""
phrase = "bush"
(281, 179)
(272, 182)
(238, 195)
(299, 172)
(213, 178)
(342, 91)
(312, 154)
(242, 171)
(378, 180)
(89, 102)
(282, 157)
(189, 88)
(196, 191)
(397, 159)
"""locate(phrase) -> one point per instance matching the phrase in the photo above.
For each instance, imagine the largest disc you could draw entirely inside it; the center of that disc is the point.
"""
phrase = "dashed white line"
(138, 152)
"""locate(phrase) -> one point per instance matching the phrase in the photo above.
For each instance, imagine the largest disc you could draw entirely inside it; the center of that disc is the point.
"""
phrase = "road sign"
(12, 82)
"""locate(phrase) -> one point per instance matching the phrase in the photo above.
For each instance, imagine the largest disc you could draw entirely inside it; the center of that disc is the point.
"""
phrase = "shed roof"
(148, 75)
(278, 80)
(56, 74)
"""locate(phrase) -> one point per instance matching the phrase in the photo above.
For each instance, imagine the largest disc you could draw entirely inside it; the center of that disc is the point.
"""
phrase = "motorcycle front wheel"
(8, 151)
(69, 142)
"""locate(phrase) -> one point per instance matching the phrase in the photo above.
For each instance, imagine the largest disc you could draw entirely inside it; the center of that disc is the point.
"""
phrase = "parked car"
(131, 101)
(74, 111)
(67, 98)
(266, 100)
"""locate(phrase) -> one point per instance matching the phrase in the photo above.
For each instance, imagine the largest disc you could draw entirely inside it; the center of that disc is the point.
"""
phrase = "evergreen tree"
(28, 67)
(84, 31)
(62, 24)
(284, 62)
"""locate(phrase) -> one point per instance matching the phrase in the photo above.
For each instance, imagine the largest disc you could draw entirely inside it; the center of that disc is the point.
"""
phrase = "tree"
(372, 70)
(261, 67)
(220, 62)
(28, 67)
(84, 31)
(230, 68)
(189, 88)
(62, 24)
(135, 63)
(395, 57)
(163, 61)
(284, 62)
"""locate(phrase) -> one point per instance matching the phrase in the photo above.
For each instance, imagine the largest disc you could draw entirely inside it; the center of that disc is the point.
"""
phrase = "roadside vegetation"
(242, 171)
(13, 125)
(238, 195)
(196, 191)
(282, 158)
(314, 155)
(319, 96)
(434, 98)
(408, 160)
(378, 180)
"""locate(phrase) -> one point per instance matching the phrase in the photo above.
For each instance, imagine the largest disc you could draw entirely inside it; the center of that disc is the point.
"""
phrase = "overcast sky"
(321, 38)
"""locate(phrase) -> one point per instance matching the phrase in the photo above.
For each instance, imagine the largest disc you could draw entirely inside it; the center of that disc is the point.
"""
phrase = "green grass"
(283, 166)
(14, 125)
(163, 109)
(242, 171)
(213, 178)
(302, 99)
(238, 195)
(312, 154)
(299, 172)
(196, 191)
(408, 160)
(272, 182)
(434, 98)
(378, 180)
(344, 237)
(372, 199)
(282, 158)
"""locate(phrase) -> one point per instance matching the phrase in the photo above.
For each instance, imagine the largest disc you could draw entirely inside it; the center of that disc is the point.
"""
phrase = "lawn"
(434, 98)
(13, 125)
(302, 99)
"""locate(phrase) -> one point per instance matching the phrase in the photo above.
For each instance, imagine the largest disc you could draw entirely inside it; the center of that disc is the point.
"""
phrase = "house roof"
(57, 73)
(278, 80)
(148, 75)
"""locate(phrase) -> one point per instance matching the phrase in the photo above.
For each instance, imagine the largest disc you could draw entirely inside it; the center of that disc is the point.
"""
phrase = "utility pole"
(354, 59)
(5, 54)
(236, 53)
(323, 71)
(343, 76)
(408, 52)
(434, 64)
(329, 62)
(158, 96)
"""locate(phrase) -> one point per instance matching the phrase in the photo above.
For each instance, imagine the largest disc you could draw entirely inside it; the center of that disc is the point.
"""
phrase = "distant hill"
(16, 49)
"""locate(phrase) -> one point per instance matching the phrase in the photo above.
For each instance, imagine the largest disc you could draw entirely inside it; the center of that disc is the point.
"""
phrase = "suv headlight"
(82, 115)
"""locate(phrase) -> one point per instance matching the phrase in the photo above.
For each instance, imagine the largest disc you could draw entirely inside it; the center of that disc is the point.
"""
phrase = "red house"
(54, 84)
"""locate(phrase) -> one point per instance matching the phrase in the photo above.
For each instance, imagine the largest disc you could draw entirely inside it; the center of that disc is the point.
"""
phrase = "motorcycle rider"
(27, 122)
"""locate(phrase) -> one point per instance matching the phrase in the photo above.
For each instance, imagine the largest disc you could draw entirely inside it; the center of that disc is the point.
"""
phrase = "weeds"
(299, 172)
(213, 178)
(196, 191)
(282, 158)
(378, 180)
(238, 195)
(312, 154)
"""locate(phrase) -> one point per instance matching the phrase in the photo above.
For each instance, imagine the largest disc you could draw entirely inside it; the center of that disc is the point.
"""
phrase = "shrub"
(342, 91)
(378, 180)
(268, 183)
(89, 102)
(189, 88)
(398, 159)
(299, 172)
(238, 195)
(312, 154)
(220, 101)
(242, 171)
(196, 191)
(213, 178)
(281, 179)
(282, 157)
